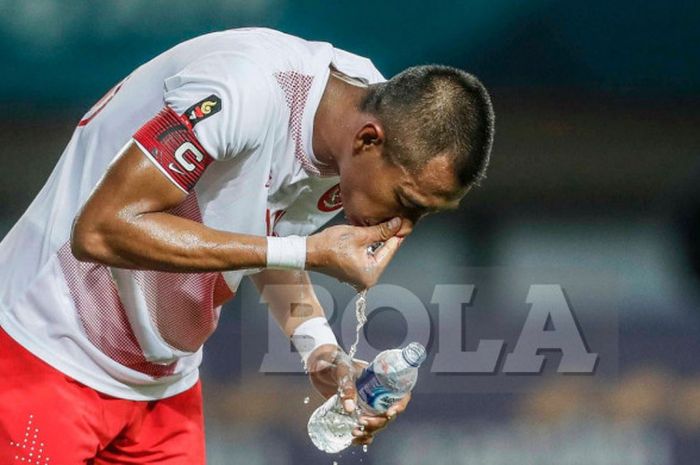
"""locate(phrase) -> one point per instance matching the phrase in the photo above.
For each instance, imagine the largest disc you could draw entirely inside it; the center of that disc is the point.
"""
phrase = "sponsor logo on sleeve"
(331, 200)
(203, 109)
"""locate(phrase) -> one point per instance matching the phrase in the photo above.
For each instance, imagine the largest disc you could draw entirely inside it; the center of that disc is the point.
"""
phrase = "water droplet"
(364, 448)
(306, 400)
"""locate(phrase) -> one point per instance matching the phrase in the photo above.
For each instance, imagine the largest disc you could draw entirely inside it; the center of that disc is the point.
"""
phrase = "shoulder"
(222, 67)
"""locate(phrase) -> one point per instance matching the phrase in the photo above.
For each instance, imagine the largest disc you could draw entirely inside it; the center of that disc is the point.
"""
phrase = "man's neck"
(333, 119)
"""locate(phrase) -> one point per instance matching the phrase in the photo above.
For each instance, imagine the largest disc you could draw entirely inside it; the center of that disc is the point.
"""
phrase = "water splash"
(361, 316)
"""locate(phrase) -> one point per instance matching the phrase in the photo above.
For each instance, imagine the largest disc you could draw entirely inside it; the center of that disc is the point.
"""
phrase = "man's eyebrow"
(413, 203)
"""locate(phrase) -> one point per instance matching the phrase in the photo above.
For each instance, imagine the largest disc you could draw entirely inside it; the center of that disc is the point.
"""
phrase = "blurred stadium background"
(595, 172)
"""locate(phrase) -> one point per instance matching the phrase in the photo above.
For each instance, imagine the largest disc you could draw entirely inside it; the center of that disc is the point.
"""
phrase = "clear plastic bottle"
(390, 376)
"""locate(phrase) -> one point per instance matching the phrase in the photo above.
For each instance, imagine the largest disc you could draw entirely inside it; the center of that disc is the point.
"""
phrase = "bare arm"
(291, 301)
(291, 298)
(124, 224)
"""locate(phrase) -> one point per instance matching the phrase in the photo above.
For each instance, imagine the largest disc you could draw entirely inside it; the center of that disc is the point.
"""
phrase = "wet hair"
(433, 110)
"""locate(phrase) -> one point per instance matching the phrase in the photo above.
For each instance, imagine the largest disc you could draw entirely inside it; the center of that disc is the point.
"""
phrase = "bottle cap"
(414, 354)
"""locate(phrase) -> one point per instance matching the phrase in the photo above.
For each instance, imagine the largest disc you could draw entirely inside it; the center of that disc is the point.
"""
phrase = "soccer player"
(218, 159)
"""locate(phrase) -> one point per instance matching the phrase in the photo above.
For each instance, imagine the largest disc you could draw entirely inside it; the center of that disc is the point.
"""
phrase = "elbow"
(86, 243)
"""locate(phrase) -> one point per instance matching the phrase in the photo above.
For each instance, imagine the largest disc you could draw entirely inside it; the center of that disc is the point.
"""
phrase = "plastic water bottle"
(390, 376)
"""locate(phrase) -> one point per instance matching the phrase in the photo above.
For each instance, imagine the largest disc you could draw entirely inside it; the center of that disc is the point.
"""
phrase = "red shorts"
(47, 418)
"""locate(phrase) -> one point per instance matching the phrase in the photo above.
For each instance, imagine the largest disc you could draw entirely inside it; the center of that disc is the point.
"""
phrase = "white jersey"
(228, 117)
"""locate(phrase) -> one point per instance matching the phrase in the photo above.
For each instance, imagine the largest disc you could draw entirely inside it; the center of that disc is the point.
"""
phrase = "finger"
(398, 407)
(406, 228)
(373, 424)
(345, 378)
(385, 230)
(391, 246)
(347, 396)
(359, 433)
(359, 364)
(363, 440)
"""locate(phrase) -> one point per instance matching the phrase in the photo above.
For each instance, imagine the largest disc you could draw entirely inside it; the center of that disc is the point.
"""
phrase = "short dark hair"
(431, 110)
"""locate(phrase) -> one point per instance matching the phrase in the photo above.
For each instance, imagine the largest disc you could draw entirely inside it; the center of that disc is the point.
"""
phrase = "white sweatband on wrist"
(287, 253)
(311, 334)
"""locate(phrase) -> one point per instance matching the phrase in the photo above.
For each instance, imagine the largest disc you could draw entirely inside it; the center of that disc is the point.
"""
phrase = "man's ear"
(369, 137)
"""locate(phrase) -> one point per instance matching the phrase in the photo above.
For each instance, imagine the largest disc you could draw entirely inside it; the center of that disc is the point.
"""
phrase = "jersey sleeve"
(214, 109)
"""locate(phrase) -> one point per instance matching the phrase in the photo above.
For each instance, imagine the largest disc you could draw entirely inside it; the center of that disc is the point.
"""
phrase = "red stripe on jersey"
(101, 104)
(171, 142)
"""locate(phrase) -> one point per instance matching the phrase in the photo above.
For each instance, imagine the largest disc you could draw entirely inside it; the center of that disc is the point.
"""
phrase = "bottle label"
(373, 393)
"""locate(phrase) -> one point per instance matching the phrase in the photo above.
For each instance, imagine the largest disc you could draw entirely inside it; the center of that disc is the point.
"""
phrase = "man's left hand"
(375, 423)
(331, 372)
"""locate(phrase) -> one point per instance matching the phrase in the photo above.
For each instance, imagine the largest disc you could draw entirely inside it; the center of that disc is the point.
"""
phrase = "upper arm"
(134, 181)
(214, 108)
(132, 185)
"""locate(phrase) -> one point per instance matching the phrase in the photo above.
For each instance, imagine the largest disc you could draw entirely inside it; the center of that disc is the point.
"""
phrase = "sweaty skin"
(124, 224)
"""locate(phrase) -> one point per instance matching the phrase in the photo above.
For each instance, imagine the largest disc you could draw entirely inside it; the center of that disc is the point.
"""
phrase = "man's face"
(374, 189)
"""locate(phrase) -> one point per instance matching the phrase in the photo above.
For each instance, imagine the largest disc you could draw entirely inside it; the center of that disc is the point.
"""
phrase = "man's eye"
(400, 200)
(407, 204)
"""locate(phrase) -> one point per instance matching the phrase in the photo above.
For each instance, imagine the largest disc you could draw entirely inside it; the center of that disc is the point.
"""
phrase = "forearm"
(165, 242)
(292, 302)
(290, 297)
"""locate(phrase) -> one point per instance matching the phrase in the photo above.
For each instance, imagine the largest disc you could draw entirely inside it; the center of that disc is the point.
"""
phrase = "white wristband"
(311, 334)
(287, 253)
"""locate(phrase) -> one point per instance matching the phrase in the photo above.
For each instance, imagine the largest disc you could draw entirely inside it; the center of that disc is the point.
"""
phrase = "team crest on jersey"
(331, 200)
(203, 109)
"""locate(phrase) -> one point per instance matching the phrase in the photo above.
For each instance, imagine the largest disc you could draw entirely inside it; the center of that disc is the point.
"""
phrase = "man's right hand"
(341, 252)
